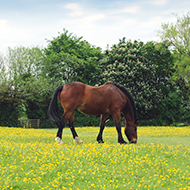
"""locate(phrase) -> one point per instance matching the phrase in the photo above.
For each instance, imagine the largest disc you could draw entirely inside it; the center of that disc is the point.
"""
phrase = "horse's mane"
(130, 97)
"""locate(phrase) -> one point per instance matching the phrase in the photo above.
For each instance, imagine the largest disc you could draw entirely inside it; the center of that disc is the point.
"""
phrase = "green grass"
(30, 159)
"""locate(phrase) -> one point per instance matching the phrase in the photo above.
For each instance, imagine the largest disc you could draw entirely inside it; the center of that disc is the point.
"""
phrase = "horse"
(107, 99)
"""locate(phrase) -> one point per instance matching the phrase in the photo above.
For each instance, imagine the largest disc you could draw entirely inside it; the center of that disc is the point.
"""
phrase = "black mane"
(130, 97)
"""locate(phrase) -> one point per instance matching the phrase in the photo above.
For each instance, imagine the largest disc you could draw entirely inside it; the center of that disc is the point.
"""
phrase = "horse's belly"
(91, 110)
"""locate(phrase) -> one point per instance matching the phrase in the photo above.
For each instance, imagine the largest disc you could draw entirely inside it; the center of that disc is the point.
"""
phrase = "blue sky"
(100, 22)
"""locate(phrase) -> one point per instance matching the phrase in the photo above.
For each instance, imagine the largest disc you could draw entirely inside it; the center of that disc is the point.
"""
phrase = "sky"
(31, 23)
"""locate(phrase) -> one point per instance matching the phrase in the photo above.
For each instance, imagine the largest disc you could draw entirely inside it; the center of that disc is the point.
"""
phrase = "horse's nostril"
(134, 142)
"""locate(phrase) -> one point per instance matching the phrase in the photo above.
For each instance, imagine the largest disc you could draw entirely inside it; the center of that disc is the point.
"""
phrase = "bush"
(9, 113)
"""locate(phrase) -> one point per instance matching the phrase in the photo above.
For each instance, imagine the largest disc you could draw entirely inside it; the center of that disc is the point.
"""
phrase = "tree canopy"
(126, 64)
(69, 58)
(177, 35)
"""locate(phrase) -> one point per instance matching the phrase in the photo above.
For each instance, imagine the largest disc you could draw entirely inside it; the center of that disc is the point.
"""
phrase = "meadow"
(31, 159)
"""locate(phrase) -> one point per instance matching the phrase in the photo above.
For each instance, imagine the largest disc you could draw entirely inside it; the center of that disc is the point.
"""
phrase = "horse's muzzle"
(134, 141)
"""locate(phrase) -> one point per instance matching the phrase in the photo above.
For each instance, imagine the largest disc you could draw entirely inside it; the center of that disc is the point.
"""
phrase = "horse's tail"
(53, 110)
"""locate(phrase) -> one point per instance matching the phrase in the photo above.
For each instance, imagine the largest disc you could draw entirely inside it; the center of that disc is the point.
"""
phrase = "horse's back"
(102, 99)
(92, 100)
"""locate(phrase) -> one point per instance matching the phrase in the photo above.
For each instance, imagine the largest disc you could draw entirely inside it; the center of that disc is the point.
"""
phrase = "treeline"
(157, 75)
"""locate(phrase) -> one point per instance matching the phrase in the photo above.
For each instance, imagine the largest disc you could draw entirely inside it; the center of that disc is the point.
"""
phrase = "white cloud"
(75, 8)
(4, 26)
(3, 22)
(133, 9)
(128, 21)
(92, 18)
(154, 21)
(159, 2)
(85, 20)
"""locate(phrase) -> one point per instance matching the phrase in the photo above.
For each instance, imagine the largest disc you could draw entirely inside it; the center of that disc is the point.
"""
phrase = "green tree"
(9, 102)
(159, 54)
(25, 86)
(3, 72)
(169, 109)
(126, 63)
(145, 70)
(69, 58)
(177, 35)
(24, 62)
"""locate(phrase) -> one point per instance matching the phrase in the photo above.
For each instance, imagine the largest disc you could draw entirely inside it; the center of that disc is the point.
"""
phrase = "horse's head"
(131, 131)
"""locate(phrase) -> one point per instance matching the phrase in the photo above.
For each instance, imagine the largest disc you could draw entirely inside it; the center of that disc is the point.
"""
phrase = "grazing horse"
(110, 98)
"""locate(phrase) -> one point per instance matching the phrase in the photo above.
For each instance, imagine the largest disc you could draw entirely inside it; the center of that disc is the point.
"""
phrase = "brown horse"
(110, 98)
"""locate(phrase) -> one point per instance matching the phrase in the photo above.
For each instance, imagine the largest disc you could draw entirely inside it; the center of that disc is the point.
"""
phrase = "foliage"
(69, 58)
(157, 75)
(146, 71)
(160, 55)
(178, 37)
(169, 108)
(86, 120)
(37, 98)
(126, 63)
(186, 111)
(23, 84)
(3, 73)
(9, 98)
(182, 75)
(9, 112)
(177, 34)
(23, 63)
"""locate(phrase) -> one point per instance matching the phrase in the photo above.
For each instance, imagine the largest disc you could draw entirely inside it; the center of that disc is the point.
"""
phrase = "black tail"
(53, 110)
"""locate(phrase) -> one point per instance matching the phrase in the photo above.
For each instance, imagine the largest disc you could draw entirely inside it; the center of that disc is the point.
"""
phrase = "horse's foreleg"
(77, 140)
(102, 126)
(120, 137)
(116, 117)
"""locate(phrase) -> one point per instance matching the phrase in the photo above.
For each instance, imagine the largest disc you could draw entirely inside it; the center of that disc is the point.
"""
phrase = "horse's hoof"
(77, 140)
(100, 141)
(58, 140)
(123, 142)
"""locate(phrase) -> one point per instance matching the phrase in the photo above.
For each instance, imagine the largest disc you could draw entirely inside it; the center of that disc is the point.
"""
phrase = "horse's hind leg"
(102, 126)
(77, 140)
(64, 119)
(58, 138)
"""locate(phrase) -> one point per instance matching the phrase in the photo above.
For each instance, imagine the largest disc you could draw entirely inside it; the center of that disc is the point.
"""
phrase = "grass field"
(30, 159)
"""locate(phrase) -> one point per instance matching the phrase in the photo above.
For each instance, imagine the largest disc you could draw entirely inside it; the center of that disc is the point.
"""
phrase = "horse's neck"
(129, 113)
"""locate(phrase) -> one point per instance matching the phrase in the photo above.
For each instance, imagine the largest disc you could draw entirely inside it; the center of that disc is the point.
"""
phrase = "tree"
(159, 54)
(3, 72)
(69, 58)
(24, 70)
(126, 63)
(9, 103)
(24, 62)
(25, 86)
(177, 35)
